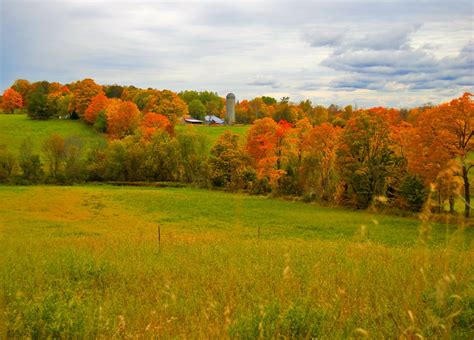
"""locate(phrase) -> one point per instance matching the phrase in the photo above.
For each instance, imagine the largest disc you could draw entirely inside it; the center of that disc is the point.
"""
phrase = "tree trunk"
(439, 200)
(451, 204)
(467, 194)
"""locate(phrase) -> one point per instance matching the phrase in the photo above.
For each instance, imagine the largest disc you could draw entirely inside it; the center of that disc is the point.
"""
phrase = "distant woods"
(337, 156)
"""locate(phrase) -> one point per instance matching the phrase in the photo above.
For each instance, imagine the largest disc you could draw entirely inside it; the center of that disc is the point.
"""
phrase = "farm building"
(214, 120)
(192, 121)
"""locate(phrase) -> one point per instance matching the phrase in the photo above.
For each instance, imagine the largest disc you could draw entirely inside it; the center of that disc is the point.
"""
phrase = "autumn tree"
(443, 133)
(286, 111)
(11, 101)
(143, 97)
(364, 158)
(227, 162)
(152, 122)
(84, 91)
(23, 87)
(242, 113)
(58, 100)
(168, 104)
(98, 103)
(269, 147)
(319, 148)
(459, 128)
(122, 118)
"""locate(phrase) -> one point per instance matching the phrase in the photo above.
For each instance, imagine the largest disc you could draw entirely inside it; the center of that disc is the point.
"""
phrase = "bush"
(413, 193)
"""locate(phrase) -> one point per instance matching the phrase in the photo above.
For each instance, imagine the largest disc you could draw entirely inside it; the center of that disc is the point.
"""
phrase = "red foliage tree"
(98, 103)
(12, 100)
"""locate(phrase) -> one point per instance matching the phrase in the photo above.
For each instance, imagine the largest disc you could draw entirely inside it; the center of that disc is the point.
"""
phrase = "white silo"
(230, 109)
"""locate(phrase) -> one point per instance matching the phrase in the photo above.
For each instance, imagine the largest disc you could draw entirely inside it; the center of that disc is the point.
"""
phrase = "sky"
(366, 53)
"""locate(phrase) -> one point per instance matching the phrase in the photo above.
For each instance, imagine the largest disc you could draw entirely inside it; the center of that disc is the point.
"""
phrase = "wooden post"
(159, 237)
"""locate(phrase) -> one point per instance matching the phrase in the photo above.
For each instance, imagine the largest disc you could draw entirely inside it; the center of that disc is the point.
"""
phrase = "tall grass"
(84, 262)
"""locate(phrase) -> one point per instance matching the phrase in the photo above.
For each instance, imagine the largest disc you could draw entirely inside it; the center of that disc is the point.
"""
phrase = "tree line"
(338, 156)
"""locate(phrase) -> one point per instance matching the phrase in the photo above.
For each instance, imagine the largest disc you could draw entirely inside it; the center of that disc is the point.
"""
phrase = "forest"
(338, 156)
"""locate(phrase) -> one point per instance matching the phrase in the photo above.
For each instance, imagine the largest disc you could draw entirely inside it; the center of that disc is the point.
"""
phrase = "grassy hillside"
(14, 129)
(85, 261)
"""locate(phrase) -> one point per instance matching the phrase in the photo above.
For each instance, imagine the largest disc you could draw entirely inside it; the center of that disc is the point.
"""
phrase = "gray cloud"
(374, 37)
(344, 51)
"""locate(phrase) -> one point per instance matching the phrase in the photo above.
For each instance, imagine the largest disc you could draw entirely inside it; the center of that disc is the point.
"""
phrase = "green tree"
(38, 101)
(193, 156)
(227, 161)
(7, 164)
(54, 149)
(30, 163)
(197, 109)
(364, 157)
(413, 193)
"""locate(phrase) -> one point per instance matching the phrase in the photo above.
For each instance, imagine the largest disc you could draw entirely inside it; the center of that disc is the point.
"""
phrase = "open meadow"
(85, 261)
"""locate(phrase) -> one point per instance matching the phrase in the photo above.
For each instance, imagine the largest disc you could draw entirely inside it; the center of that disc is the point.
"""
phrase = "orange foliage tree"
(440, 134)
(23, 87)
(97, 104)
(168, 104)
(12, 100)
(268, 146)
(84, 91)
(122, 118)
(319, 147)
(153, 122)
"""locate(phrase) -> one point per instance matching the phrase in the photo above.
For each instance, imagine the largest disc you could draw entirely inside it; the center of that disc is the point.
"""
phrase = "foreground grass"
(14, 129)
(85, 261)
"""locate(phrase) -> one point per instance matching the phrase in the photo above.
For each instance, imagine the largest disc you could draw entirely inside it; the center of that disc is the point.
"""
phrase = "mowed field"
(85, 261)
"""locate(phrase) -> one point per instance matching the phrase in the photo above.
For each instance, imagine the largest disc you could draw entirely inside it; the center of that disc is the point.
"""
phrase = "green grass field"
(213, 132)
(14, 129)
(84, 261)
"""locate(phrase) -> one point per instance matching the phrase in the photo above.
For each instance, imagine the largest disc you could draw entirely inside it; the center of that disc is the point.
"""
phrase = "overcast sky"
(367, 52)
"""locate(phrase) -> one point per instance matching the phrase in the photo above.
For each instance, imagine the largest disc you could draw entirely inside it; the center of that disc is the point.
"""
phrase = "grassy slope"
(15, 128)
(84, 261)
(213, 132)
